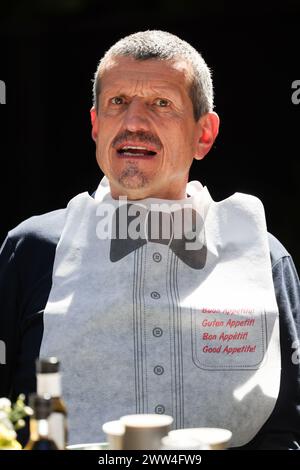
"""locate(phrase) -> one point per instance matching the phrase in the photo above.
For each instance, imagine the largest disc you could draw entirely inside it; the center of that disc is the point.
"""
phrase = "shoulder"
(286, 279)
(277, 250)
(42, 230)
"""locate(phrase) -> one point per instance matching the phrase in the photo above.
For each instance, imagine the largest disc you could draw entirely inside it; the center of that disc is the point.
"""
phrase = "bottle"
(49, 381)
(39, 429)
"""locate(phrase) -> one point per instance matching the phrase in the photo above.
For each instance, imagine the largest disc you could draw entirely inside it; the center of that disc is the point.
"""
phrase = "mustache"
(139, 136)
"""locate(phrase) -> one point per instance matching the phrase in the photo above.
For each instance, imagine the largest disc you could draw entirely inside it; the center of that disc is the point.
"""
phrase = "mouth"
(137, 151)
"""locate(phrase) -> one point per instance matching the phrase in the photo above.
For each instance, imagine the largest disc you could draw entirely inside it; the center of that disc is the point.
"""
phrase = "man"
(155, 298)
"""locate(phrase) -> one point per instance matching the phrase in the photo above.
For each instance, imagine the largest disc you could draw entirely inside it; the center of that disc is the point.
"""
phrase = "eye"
(117, 100)
(162, 103)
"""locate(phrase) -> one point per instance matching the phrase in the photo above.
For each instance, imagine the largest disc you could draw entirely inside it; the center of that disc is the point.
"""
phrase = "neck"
(172, 192)
(49, 383)
(38, 428)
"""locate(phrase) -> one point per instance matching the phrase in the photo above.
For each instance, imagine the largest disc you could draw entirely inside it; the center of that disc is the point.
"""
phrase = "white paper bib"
(148, 333)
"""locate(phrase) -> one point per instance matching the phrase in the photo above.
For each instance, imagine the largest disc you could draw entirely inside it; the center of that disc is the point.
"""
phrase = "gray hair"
(163, 46)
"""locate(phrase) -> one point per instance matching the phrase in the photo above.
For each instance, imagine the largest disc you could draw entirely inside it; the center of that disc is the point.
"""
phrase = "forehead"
(175, 74)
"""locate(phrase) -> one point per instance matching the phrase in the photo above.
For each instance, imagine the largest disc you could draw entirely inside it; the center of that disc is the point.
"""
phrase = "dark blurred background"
(49, 50)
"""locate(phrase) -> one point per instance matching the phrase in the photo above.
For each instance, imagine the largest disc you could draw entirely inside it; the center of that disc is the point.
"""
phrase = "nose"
(136, 118)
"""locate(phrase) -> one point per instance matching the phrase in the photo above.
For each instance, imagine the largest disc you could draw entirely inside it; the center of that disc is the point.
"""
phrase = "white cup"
(145, 431)
(114, 431)
(215, 438)
(177, 442)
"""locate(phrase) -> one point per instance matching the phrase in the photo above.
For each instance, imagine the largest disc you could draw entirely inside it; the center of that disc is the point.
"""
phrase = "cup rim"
(211, 436)
(146, 420)
(187, 442)
(115, 428)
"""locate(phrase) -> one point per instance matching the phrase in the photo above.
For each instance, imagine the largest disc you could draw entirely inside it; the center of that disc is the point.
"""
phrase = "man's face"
(145, 132)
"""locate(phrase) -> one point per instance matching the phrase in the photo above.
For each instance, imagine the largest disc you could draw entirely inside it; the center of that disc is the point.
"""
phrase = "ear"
(94, 122)
(208, 128)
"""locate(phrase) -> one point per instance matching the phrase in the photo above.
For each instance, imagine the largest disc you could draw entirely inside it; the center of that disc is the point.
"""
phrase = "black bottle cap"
(41, 405)
(47, 365)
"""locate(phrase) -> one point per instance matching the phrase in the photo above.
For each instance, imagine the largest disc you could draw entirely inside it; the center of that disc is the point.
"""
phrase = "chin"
(134, 182)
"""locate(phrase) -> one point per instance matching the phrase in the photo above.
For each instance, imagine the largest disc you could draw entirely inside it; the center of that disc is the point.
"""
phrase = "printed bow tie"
(179, 229)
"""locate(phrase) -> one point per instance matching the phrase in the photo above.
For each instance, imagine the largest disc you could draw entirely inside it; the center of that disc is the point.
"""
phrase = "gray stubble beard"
(132, 171)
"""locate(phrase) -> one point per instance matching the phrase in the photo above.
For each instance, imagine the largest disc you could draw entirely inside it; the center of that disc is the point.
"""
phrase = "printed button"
(155, 295)
(158, 370)
(157, 332)
(156, 257)
(160, 409)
